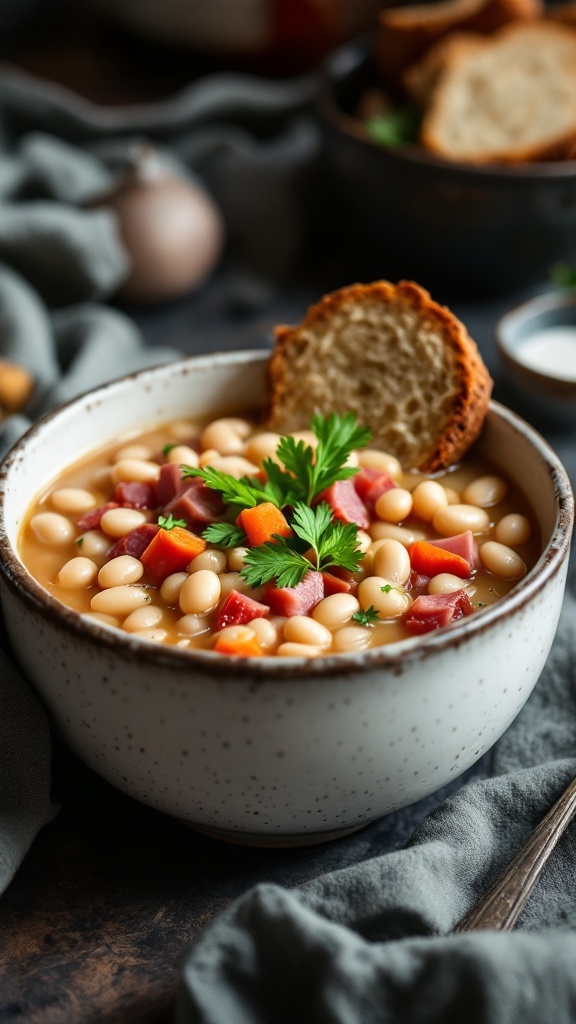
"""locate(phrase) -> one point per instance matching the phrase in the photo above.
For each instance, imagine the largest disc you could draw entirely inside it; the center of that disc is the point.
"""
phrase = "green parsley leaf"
(386, 588)
(563, 275)
(395, 127)
(168, 522)
(367, 618)
(247, 492)
(80, 542)
(274, 560)
(168, 448)
(315, 470)
(225, 535)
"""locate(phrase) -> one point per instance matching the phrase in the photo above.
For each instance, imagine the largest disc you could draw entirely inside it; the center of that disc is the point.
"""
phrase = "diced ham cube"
(197, 505)
(370, 483)
(417, 583)
(135, 542)
(334, 585)
(239, 609)
(345, 503)
(91, 520)
(169, 483)
(298, 600)
(432, 611)
(462, 544)
(134, 494)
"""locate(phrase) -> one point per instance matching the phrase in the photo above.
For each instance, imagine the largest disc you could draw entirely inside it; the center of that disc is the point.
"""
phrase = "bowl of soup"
(251, 711)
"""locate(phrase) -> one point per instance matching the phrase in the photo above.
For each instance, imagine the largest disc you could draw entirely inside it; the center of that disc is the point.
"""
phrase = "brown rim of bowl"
(356, 52)
(252, 669)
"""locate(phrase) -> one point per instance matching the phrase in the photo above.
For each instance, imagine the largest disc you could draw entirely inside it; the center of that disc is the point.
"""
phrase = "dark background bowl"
(482, 229)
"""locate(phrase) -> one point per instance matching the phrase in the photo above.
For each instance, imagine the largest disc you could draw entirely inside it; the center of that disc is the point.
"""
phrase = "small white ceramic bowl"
(274, 751)
(537, 344)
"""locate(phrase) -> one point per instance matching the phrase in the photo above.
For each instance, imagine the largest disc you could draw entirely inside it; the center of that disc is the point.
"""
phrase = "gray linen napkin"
(369, 944)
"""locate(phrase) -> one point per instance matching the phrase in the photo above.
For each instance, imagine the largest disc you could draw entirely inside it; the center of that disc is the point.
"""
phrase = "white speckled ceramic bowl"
(274, 751)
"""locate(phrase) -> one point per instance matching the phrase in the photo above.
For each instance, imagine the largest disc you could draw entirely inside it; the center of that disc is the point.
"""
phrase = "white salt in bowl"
(537, 344)
(274, 751)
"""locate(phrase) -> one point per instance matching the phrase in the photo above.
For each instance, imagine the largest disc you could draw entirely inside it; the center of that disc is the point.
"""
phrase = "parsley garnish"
(367, 618)
(332, 543)
(305, 472)
(80, 541)
(386, 588)
(395, 127)
(168, 522)
(168, 448)
(563, 275)
(225, 535)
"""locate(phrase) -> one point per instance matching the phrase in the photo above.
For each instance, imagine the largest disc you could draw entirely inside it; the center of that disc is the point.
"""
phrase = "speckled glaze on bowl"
(487, 230)
(273, 751)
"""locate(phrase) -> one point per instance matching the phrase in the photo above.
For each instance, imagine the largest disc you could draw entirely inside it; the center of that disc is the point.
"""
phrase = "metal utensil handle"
(502, 906)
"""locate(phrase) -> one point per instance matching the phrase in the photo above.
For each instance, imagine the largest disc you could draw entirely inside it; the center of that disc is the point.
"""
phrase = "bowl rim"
(349, 57)
(391, 656)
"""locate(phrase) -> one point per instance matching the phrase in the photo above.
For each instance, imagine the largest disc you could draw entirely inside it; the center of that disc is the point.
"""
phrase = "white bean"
(266, 633)
(209, 559)
(453, 496)
(193, 625)
(391, 560)
(406, 536)
(302, 629)
(445, 583)
(52, 528)
(427, 498)
(72, 500)
(383, 461)
(363, 541)
(351, 638)
(142, 618)
(200, 593)
(77, 573)
(135, 471)
(336, 610)
(140, 452)
(227, 435)
(236, 558)
(108, 620)
(183, 455)
(117, 522)
(262, 446)
(120, 601)
(171, 587)
(292, 650)
(120, 570)
(513, 529)
(394, 505)
(234, 465)
(485, 491)
(208, 457)
(182, 430)
(381, 594)
(93, 544)
(458, 518)
(502, 561)
(153, 633)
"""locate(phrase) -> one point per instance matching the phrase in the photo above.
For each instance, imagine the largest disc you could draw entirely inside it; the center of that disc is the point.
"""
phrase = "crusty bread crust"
(509, 98)
(406, 33)
(404, 364)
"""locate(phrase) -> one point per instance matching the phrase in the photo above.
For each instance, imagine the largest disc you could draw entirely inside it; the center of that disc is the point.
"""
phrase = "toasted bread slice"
(403, 364)
(510, 98)
(406, 33)
(421, 79)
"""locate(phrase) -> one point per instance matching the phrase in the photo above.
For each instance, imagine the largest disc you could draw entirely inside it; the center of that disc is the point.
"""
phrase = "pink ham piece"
(91, 520)
(169, 483)
(432, 611)
(335, 585)
(462, 544)
(133, 494)
(345, 503)
(135, 542)
(238, 609)
(298, 600)
(197, 505)
(370, 483)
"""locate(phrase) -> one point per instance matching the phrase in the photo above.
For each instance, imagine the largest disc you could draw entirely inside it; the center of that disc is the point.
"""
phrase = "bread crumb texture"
(509, 98)
(403, 364)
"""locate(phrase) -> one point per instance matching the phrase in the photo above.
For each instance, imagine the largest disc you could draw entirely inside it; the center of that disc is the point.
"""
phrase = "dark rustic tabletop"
(95, 924)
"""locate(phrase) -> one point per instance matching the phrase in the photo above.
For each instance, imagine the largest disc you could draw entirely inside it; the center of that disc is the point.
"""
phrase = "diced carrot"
(171, 551)
(429, 560)
(238, 642)
(262, 522)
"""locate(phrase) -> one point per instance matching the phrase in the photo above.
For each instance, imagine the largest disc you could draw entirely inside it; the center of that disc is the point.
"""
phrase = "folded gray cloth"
(370, 943)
